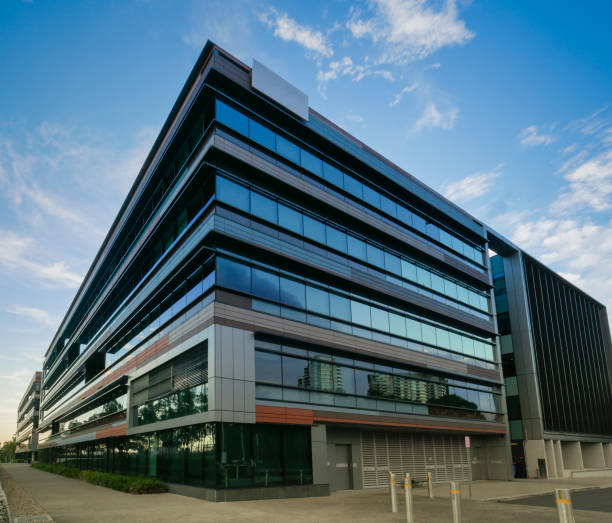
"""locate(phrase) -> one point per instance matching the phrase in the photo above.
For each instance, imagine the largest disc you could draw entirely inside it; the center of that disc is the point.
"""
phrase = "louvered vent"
(445, 456)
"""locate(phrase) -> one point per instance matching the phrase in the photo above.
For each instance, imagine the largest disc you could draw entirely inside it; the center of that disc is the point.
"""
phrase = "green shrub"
(123, 483)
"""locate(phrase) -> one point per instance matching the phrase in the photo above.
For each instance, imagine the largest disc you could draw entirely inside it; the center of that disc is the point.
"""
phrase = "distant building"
(27, 420)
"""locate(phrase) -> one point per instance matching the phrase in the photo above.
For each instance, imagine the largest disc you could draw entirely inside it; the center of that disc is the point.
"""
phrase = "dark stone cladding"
(247, 494)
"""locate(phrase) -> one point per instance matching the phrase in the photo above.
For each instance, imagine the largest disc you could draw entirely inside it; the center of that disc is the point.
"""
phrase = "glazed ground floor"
(288, 459)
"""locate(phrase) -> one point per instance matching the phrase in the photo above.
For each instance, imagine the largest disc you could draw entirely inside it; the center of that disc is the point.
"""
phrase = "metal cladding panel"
(280, 90)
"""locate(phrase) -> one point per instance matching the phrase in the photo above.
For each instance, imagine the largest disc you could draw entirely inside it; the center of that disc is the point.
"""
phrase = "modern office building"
(27, 420)
(556, 359)
(277, 310)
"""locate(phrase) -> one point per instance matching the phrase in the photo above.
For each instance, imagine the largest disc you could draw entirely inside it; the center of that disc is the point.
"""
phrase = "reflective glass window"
(287, 149)
(362, 382)
(462, 294)
(233, 194)
(340, 307)
(356, 248)
(371, 196)
(429, 333)
(419, 223)
(408, 270)
(380, 319)
(332, 175)
(311, 163)
(265, 285)
(375, 256)
(393, 263)
(317, 300)
(233, 275)
(446, 238)
(413, 329)
(294, 372)
(263, 136)
(404, 215)
(353, 186)
(232, 118)
(388, 206)
(290, 219)
(314, 229)
(468, 345)
(268, 367)
(442, 338)
(423, 277)
(293, 293)
(433, 231)
(344, 379)
(437, 283)
(335, 239)
(360, 313)
(450, 289)
(397, 325)
(264, 207)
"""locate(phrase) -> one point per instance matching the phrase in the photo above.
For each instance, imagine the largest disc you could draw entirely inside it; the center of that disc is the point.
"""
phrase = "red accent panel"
(265, 414)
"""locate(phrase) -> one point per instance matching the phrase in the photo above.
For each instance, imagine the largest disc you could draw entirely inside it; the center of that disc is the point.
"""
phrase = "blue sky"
(505, 107)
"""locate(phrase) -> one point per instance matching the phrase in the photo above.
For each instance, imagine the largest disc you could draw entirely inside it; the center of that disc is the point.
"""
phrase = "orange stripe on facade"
(136, 361)
(119, 430)
(286, 415)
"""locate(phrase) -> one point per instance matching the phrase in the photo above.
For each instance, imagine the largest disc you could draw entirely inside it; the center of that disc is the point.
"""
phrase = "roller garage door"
(444, 455)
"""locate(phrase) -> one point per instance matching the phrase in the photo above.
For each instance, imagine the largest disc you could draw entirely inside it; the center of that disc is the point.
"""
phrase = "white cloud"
(289, 30)
(435, 65)
(472, 186)
(346, 67)
(409, 29)
(34, 313)
(529, 136)
(16, 255)
(590, 185)
(432, 117)
(397, 98)
(352, 117)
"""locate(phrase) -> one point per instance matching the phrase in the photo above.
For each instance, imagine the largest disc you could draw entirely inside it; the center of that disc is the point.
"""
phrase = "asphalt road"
(599, 500)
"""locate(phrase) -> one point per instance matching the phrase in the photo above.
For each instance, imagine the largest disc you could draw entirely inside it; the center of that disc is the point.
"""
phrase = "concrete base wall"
(247, 494)
(593, 455)
(607, 450)
(551, 462)
(572, 455)
(534, 450)
(559, 459)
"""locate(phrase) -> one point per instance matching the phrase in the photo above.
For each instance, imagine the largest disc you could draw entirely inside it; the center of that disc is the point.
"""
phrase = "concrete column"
(534, 450)
(559, 459)
(607, 449)
(593, 455)
(551, 462)
(572, 455)
(320, 470)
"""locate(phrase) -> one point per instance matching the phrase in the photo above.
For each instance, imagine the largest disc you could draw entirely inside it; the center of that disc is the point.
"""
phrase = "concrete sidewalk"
(74, 501)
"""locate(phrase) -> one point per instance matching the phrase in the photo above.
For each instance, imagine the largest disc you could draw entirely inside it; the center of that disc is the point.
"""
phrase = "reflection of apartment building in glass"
(556, 358)
(27, 420)
(276, 305)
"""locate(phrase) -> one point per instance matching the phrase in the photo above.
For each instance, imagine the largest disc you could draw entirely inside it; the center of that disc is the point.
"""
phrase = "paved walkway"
(518, 488)
(73, 501)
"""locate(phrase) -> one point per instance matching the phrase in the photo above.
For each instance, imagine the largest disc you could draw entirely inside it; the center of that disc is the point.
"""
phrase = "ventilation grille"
(445, 456)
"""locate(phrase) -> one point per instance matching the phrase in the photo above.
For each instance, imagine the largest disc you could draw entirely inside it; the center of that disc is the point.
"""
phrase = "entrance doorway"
(342, 474)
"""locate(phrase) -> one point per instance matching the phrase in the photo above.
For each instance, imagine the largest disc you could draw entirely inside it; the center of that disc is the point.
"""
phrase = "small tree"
(7, 451)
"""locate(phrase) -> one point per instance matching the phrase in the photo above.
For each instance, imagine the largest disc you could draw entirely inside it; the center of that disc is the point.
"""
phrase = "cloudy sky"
(504, 107)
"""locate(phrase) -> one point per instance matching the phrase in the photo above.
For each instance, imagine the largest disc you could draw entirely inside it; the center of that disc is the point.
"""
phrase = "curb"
(551, 492)
(4, 501)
